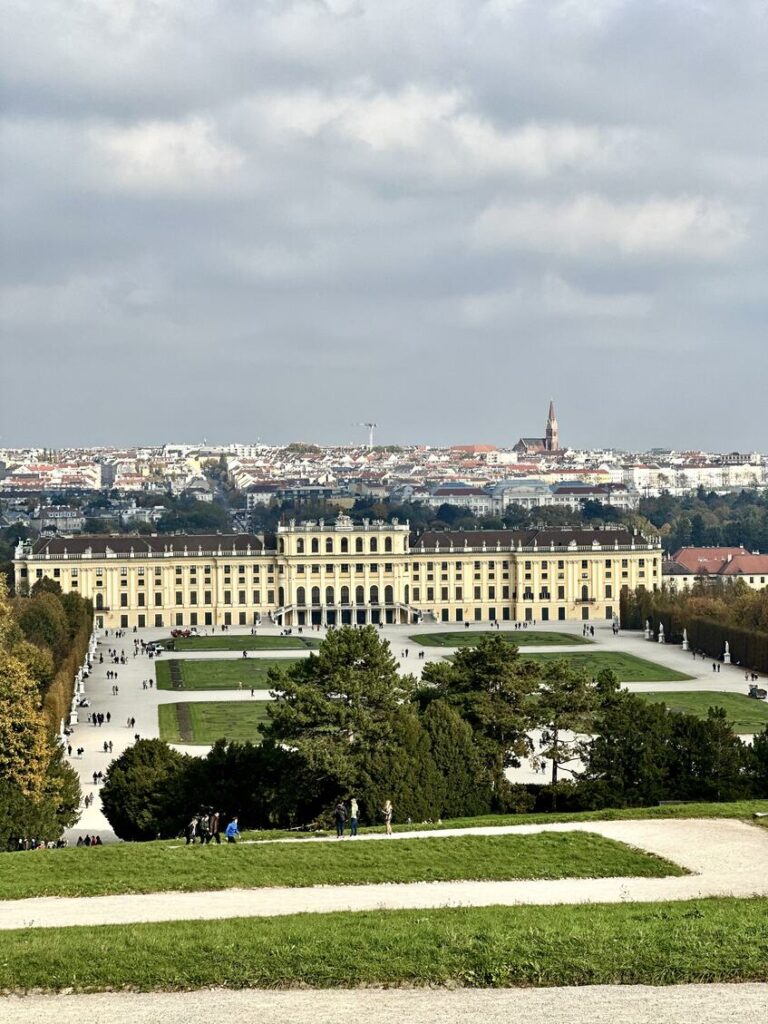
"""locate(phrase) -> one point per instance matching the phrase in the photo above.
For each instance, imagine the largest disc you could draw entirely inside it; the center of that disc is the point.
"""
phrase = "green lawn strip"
(521, 637)
(221, 675)
(244, 643)
(157, 867)
(170, 727)
(747, 714)
(212, 720)
(711, 940)
(738, 809)
(627, 667)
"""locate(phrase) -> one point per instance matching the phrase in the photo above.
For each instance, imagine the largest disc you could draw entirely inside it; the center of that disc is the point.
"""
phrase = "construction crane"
(371, 427)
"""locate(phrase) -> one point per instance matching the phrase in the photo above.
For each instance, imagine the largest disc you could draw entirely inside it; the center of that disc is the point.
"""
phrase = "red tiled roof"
(746, 565)
(706, 560)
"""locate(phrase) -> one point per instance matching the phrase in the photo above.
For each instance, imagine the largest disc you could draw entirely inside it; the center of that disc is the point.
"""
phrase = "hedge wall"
(748, 647)
(58, 697)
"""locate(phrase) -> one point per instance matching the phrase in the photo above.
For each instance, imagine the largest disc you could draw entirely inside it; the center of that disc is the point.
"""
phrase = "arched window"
(315, 545)
(585, 593)
(345, 595)
(281, 546)
(374, 595)
(329, 545)
(359, 595)
(374, 544)
(344, 545)
(389, 595)
(315, 595)
(100, 601)
(406, 593)
(358, 544)
(329, 595)
(300, 546)
(280, 597)
(387, 543)
(301, 596)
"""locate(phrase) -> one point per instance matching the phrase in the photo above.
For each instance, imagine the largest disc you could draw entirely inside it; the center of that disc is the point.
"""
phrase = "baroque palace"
(346, 573)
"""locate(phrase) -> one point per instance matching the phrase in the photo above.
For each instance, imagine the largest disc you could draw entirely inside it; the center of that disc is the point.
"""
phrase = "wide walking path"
(591, 1004)
(725, 858)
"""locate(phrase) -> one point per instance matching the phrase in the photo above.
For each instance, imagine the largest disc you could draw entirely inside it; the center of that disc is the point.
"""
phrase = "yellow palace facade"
(343, 572)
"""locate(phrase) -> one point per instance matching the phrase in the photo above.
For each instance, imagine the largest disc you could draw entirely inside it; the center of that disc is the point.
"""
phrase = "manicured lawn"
(747, 714)
(714, 940)
(521, 637)
(743, 809)
(627, 667)
(158, 867)
(219, 675)
(227, 642)
(207, 721)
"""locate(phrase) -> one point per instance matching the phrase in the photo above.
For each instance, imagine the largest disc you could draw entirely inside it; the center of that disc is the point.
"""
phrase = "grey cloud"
(279, 219)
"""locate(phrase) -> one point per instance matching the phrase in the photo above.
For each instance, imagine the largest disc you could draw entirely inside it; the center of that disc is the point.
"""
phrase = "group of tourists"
(89, 841)
(205, 827)
(342, 815)
(22, 843)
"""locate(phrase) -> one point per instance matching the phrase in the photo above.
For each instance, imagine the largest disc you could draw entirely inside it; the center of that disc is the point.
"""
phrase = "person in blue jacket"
(232, 831)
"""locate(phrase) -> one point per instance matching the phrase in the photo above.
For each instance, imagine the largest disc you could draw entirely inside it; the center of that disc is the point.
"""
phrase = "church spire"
(552, 436)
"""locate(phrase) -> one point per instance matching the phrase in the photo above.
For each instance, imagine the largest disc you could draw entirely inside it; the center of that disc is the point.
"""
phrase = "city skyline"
(285, 220)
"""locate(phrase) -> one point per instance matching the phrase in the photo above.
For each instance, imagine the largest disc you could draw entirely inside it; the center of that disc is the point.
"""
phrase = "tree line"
(43, 640)
(344, 723)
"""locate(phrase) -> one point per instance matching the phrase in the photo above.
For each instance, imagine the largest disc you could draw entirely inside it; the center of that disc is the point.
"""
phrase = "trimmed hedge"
(748, 647)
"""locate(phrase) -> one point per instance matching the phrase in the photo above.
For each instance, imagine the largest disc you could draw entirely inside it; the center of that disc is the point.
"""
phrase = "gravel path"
(726, 858)
(598, 1004)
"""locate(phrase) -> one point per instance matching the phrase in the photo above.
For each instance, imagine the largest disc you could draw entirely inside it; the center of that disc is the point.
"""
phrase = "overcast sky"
(245, 219)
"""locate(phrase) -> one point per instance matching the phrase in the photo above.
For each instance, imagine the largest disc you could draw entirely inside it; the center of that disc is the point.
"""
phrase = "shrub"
(143, 796)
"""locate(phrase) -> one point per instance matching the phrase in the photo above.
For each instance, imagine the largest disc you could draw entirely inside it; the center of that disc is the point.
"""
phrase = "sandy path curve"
(726, 858)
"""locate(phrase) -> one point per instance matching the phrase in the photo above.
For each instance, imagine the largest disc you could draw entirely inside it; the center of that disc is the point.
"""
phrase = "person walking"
(190, 830)
(387, 812)
(232, 831)
(202, 830)
(340, 817)
(214, 827)
(353, 816)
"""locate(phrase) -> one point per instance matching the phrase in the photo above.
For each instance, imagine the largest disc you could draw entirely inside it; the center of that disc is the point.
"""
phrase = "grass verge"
(204, 722)
(739, 809)
(714, 940)
(246, 642)
(220, 675)
(627, 667)
(747, 714)
(161, 867)
(521, 637)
